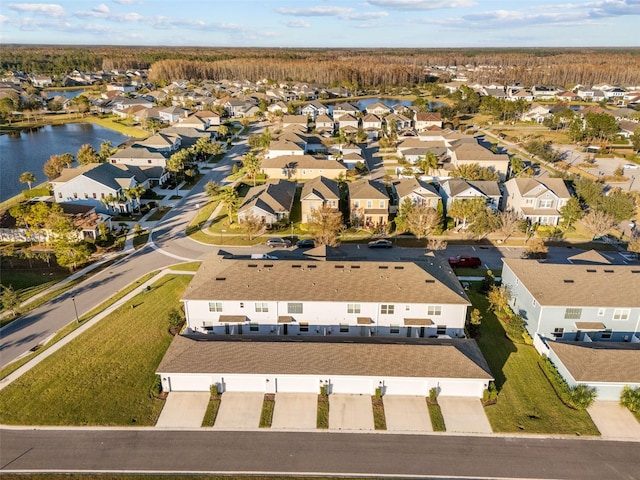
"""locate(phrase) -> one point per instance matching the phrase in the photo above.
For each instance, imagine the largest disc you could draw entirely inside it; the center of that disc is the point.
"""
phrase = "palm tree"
(28, 178)
(429, 163)
(229, 198)
(252, 164)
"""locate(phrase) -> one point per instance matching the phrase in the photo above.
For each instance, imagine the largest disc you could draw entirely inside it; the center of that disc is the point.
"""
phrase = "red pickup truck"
(464, 261)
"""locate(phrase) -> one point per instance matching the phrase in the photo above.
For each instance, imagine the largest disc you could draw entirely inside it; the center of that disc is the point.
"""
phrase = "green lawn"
(186, 267)
(158, 214)
(141, 239)
(266, 416)
(526, 401)
(104, 377)
(31, 281)
(437, 420)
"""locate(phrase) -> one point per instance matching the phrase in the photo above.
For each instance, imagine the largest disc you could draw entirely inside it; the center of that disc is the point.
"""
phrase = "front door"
(363, 331)
(239, 329)
(421, 332)
(285, 329)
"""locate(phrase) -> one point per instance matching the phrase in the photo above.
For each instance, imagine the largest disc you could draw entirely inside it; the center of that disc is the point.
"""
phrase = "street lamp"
(633, 177)
(75, 308)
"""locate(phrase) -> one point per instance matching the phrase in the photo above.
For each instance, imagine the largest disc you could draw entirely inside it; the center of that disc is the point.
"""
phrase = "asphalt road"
(320, 453)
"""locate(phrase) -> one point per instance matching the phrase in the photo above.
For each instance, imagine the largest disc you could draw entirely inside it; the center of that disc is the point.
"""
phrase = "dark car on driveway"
(464, 261)
(278, 242)
(306, 243)
(381, 243)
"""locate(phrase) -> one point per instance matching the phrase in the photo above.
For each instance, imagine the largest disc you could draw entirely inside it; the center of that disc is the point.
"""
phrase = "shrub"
(630, 398)
(490, 395)
(433, 395)
(36, 192)
(582, 396)
(579, 397)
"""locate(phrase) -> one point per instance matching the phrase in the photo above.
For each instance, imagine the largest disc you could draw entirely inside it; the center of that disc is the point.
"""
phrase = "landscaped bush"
(36, 192)
(490, 395)
(579, 397)
(630, 398)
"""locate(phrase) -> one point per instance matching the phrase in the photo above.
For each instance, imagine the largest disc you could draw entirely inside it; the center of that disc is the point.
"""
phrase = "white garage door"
(351, 385)
(297, 385)
(190, 383)
(460, 389)
(406, 387)
(244, 383)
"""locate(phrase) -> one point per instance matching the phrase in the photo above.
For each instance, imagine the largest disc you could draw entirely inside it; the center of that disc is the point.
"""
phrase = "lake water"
(27, 151)
(389, 102)
(64, 93)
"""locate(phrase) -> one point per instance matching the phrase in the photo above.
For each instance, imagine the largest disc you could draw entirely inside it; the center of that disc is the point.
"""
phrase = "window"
(254, 327)
(381, 204)
(94, 195)
(558, 332)
(533, 302)
(387, 309)
(149, 161)
(606, 335)
(394, 329)
(546, 203)
(621, 314)
(434, 310)
(304, 327)
(59, 194)
(344, 328)
(86, 195)
(294, 307)
(369, 204)
(407, 308)
(353, 308)
(572, 313)
(262, 307)
(601, 312)
(441, 330)
(215, 306)
(75, 195)
(356, 204)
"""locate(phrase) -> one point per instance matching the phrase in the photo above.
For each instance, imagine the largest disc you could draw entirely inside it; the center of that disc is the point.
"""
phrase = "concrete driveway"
(464, 415)
(239, 410)
(406, 413)
(295, 411)
(614, 421)
(350, 412)
(183, 410)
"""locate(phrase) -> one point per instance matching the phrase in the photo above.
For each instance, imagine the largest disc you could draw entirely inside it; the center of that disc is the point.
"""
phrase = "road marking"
(486, 266)
(473, 248)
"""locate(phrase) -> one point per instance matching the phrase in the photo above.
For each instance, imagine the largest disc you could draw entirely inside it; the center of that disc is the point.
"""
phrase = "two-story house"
(536, 200)
(468, 153)
(318, 192)
(458, 189)
(417, 191)
(301, 167)
(368, 204)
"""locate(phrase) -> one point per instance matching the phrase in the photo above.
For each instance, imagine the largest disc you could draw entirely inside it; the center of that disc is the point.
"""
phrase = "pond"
(27, 151)
(389, 102)
(63, 93)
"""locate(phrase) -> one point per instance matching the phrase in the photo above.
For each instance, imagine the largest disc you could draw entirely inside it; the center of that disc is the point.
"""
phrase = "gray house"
(270, 202)
(537, 200)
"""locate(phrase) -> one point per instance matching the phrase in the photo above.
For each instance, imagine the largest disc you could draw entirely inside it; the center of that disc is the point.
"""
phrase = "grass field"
(104, 377)
(186, 267)
(526, 400)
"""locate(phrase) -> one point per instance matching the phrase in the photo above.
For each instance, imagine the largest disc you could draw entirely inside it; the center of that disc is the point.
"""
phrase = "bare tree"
(325, 225)
(598, 222)
(252, 226)
(509, 223)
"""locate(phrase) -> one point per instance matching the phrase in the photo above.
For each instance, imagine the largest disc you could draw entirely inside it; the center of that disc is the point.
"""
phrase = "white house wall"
(323, 318)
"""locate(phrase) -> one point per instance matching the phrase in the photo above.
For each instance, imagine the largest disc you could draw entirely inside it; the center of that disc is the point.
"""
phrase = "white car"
(631, 165)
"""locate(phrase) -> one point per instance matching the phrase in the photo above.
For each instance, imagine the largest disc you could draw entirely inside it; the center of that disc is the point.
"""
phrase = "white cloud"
(123, 2)
(298, 23)
(102, 8)
(344, 13)
(3, 19)
(48, 9)
(421, 4)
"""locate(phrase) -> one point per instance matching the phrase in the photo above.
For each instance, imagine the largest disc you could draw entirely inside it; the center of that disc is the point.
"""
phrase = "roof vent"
(355, 266)
(399, 268)
(252, 265)
(567, 280)
(296, 266)
(635, 271)
(312, 266)
(429, 280)
(591, 270)
(269, 266)
(338, 266)
(220, 279)
(383, 267)
(608, 271)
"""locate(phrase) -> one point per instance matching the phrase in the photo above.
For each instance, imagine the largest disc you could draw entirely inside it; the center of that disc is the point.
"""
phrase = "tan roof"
(322, 188)
(600, 361)
(406, 186)
(477, 153)
(302, 161)
(579, 285)
(590, 256)
(531, 187)
(426, 359)
(367, 189)
(418, 322)
(430, 281)
(590, 326)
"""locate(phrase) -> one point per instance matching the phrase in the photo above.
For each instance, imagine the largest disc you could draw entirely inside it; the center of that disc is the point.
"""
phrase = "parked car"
(306, 243)
(631, 165)
(381, 243)
(263, 256)
(464, 261)
(278, 242)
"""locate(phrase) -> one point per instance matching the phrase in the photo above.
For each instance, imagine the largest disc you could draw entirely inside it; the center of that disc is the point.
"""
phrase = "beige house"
(270, 202)
(469, 153)
(537, 200)
(301, 167)
(316, 193)
(368, 204)
(295, 120)
(419, 192)
(424, 120)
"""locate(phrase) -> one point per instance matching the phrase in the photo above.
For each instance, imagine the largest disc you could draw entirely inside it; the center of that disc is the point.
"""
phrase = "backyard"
(105, 377)
(526, 401)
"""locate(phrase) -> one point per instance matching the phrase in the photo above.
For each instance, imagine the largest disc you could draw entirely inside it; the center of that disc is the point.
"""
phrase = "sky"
(324, 23)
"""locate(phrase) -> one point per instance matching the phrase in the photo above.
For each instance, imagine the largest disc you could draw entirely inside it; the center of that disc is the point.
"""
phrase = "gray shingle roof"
(427, 359)
(273, 197)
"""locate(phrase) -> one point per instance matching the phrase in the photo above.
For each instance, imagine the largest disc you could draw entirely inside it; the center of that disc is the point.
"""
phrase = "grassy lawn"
(28, 282)
(105, 377)
(322, 418)
(437, 420)
(158, 214)
(186, 267)
(141, 239)
(266, 416)
(201, 217)
(526, 400)
(212, 411)
(379, 420)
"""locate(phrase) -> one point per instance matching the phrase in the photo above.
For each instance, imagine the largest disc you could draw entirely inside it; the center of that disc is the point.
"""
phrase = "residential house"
(295, 120)
(458, 189)
(315, 109)
(278, 107)
(140, 156)
(567, 96)
(473, 152)
(379, 109)
(162, 142)
(539, 201)
(345, 108)
(89, 184)
(417, 191)
(413, 149)
(424, 120)
(368, 204)
(41, 81)
(301, 167)
(577, 311)
(270, 202)
(318, 192)
(372, 125)
(400, 121)
(325, 124)
(348, 123)
(280, 148)
(543, 92)
(172, 114)
(536, 113)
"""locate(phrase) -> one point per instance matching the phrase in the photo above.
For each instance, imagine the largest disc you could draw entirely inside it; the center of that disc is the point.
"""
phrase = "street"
(323, 453)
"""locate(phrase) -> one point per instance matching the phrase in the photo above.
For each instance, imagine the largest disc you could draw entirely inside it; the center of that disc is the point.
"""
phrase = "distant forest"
(355, 67)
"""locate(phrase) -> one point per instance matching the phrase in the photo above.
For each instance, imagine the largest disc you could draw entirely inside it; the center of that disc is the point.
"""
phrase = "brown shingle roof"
(590, 286)
(440, 359)
(339, 281)
(600, 361)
